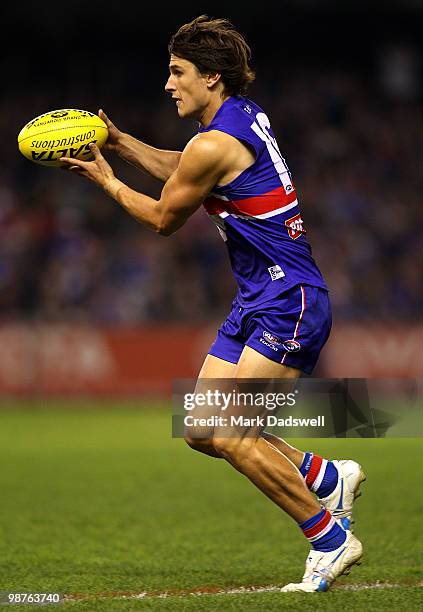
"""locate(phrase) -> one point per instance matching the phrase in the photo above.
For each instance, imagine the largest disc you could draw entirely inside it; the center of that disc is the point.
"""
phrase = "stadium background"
(91, 304)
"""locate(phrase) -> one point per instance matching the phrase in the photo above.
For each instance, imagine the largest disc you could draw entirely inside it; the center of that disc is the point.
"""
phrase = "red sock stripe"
(318, 527)
(316, 464)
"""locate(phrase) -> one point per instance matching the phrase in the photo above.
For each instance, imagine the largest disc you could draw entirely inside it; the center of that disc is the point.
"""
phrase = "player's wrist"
(113, 186)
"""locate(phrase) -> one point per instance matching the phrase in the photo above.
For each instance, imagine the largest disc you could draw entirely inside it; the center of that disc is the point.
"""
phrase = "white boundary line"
(234, 591)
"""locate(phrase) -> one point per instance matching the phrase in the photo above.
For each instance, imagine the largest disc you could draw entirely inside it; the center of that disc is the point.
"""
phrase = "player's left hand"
(98, 170)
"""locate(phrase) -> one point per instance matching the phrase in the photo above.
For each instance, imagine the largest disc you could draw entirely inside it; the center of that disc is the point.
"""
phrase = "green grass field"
(97, 499)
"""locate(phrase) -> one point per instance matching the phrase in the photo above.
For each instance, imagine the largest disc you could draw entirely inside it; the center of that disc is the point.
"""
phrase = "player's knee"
(203, 445)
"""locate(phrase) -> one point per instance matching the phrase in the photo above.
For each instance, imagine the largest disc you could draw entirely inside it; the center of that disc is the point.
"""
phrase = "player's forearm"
(144, 209)
(157, 162)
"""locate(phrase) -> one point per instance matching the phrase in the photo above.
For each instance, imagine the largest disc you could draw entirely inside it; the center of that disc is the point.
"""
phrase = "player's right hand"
(114, 134)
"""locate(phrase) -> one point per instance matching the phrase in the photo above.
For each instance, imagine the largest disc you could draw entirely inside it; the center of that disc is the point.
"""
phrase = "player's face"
(188, 88)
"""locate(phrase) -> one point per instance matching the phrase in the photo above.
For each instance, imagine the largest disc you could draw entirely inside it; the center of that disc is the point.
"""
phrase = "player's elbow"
(164, 229)
(162, 223)
(167, 224)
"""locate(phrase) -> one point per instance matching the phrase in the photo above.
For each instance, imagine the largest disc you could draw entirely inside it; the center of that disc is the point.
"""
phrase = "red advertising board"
(82, 360)
(374, 351)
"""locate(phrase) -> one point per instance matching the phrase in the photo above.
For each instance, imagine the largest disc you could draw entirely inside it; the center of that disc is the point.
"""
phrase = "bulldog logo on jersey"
(291, 346)
(295, 226)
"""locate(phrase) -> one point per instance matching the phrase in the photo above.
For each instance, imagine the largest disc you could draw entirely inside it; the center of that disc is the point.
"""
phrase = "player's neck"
(211, 109)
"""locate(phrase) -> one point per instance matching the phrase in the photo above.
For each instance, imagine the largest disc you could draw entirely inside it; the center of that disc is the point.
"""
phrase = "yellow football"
(61, 133)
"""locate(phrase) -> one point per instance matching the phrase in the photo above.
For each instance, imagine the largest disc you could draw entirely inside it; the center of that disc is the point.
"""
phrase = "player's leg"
(216, 368)
(336, 483)
(220, 364)
(330, 483)
(258, 459)
(213, 368)
(303, 314)
(292, 496)
(269, 469)
(334, 550)
(250, 453)
(291, 331)
(290, 312)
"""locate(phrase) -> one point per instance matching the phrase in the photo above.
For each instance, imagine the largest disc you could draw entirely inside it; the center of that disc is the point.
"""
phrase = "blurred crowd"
(353, 144)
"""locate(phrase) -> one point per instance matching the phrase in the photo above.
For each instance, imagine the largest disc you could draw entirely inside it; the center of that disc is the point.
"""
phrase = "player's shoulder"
(203, 153)
(215, 147)
(206, 144)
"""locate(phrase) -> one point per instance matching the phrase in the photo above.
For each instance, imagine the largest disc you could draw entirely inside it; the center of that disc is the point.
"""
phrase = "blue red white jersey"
(258, 214)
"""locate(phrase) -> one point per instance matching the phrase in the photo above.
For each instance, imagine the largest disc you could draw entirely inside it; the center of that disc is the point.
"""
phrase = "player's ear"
(212, 79)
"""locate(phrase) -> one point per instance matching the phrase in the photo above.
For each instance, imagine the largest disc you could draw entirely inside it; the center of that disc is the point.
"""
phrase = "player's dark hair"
(215, 46)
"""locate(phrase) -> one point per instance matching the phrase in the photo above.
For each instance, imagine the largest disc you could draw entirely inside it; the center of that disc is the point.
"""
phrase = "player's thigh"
(215, 367)
(253, 364)
(246, 419)
(221, 375)
(214, 375)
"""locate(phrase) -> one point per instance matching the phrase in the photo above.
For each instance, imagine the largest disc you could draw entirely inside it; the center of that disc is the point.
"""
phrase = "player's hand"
(98, 170)
(114, 134)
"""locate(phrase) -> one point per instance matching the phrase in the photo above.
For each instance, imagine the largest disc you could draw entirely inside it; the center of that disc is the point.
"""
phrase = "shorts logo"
(276, 272)
(295, 227)
(270, 338)
(291, 346)
(269, 345)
